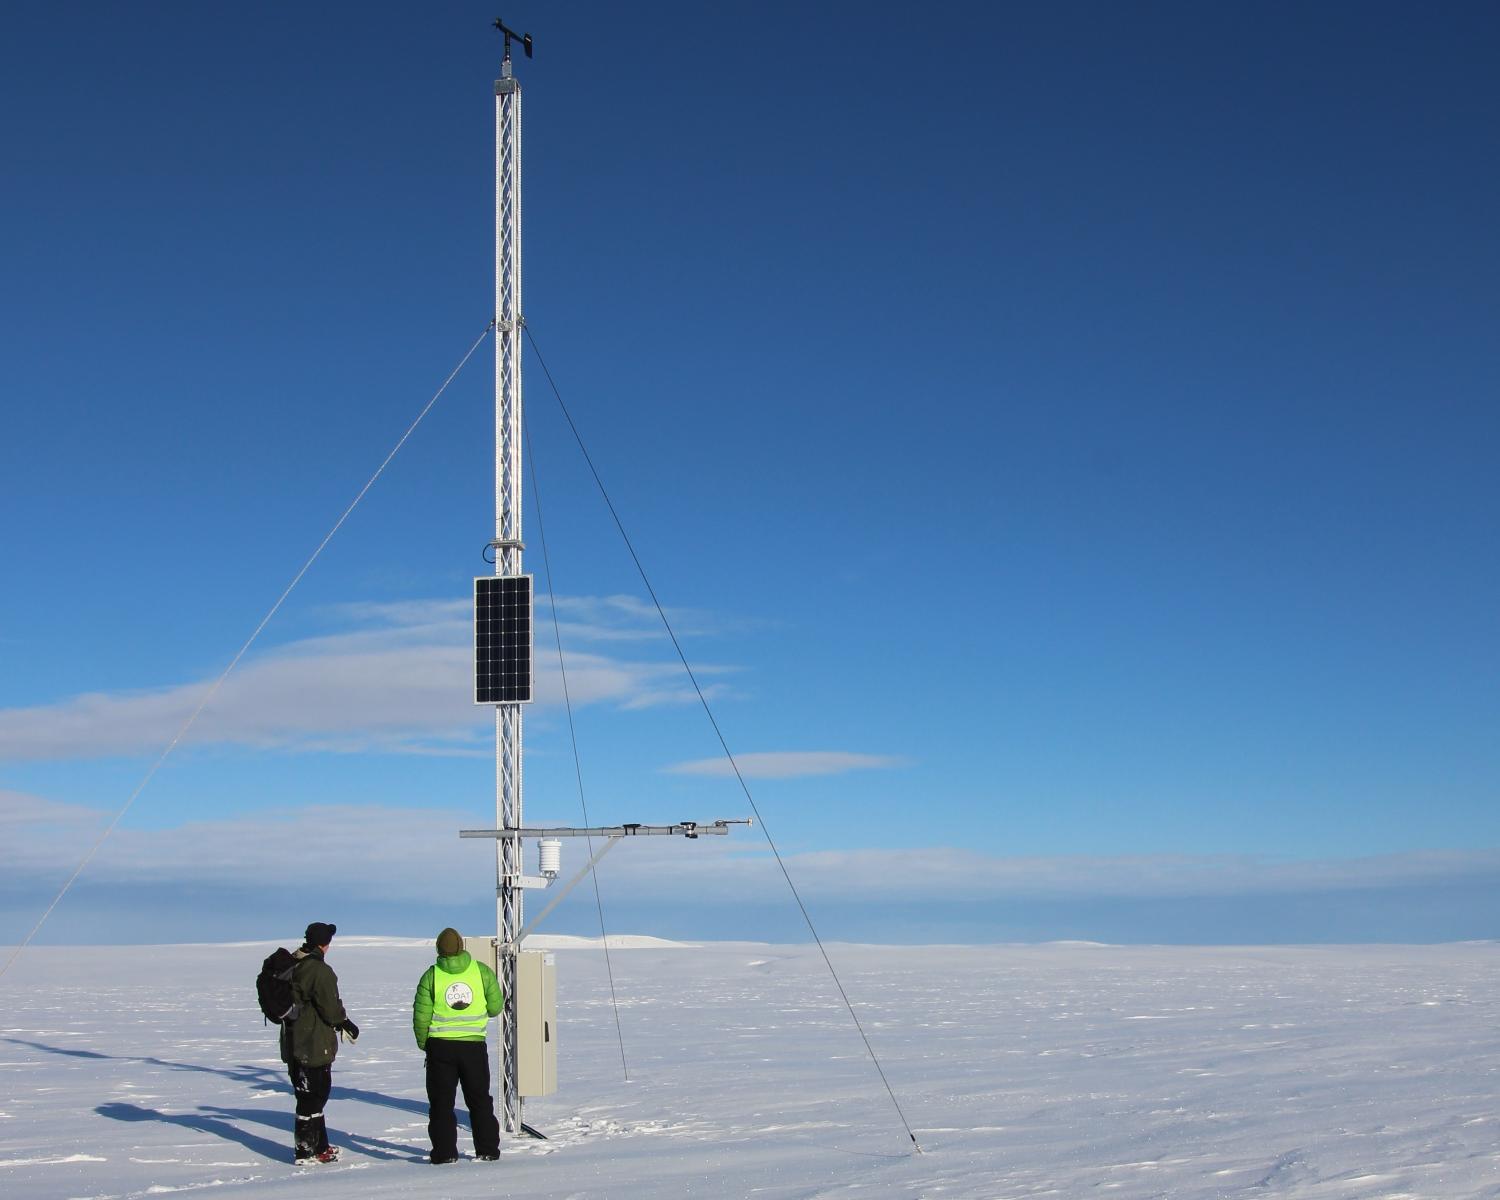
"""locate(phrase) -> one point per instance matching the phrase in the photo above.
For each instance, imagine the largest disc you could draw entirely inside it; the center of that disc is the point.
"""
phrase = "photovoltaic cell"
(502, 639)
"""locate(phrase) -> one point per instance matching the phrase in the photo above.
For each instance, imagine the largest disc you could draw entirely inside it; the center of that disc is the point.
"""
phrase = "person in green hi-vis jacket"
(455, 999)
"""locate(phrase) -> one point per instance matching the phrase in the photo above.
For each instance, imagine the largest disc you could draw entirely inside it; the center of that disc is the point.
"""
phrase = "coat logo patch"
(458, 996)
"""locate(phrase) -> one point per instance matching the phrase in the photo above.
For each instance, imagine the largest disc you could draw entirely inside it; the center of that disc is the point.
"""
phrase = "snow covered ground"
(1058, 1070)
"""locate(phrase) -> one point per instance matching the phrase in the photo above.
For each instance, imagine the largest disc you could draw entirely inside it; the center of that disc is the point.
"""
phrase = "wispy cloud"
(379, 853)
(740, 869)
(396, 677)
(38, 835)
(789, 764)
(356, 850)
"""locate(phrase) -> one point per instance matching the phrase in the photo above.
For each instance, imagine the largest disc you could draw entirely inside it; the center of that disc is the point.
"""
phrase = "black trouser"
(449, 1064)
(312, 1085)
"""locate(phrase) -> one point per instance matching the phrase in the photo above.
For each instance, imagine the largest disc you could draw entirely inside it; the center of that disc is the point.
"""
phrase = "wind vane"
(511, 33)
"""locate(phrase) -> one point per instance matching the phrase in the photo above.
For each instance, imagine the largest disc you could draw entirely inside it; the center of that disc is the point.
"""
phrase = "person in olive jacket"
(455, 999)
(310, 1041)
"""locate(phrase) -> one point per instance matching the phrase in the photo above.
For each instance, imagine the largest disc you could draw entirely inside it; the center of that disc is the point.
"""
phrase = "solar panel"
(502, 639)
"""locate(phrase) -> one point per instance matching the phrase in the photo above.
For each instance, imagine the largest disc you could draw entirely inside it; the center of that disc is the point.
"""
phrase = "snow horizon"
(1324, 1073)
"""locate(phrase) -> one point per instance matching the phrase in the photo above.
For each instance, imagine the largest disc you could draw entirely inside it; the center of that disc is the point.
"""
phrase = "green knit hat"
(450, 942)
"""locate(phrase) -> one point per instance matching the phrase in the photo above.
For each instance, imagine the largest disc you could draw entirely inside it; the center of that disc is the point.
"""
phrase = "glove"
(350, 1029)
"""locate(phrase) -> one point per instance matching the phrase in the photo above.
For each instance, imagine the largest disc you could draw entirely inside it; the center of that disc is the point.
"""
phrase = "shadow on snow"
(219, 1121)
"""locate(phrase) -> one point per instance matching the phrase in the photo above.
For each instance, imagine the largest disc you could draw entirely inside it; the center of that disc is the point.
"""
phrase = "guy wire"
(234, 662)
(541, 529)
(703, 700)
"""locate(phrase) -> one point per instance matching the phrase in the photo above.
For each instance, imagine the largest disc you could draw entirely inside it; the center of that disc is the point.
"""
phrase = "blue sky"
(1064, 437)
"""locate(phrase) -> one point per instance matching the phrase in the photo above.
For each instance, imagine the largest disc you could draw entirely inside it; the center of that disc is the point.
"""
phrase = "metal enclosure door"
(536, 1023)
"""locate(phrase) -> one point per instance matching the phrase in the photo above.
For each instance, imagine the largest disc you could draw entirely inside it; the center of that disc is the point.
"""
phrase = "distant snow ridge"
(617, 941)
(557, 941)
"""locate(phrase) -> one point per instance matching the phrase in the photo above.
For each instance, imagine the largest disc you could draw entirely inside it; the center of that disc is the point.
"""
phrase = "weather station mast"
(503, 660)
(509, 605)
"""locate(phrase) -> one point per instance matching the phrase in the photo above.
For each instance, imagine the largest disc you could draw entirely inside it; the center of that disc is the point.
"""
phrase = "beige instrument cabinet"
(536, 1023)
(534, 1009)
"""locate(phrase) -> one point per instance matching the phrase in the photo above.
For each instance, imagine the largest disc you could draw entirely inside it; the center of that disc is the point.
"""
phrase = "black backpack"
(273, 986)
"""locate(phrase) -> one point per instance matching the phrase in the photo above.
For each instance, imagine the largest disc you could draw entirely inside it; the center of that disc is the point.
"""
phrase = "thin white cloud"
(383, 853)
(359, 850)
(400, 681)
(36, 834)
(20, 811)
(626, 617)
(740, 868)
(789, 764)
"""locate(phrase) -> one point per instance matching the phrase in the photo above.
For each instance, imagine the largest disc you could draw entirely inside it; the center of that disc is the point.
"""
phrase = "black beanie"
(449, 943)
(320, 933)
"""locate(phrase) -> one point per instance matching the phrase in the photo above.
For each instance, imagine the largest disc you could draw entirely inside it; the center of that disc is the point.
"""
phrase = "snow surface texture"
(1063, 1070)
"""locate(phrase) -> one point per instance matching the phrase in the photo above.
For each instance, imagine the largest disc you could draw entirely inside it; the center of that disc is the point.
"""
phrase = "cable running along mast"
(503, 646)
(503, 673)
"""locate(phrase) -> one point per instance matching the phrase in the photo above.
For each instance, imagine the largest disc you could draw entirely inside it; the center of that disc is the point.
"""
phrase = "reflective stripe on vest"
(458, 1008)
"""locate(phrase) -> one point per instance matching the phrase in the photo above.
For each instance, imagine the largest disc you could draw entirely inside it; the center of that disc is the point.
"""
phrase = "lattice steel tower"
(507, 550)
(503, 645)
